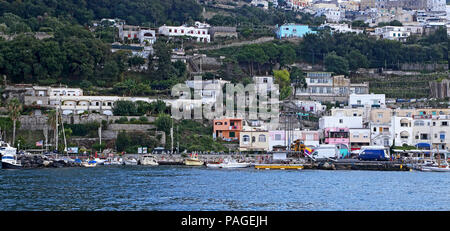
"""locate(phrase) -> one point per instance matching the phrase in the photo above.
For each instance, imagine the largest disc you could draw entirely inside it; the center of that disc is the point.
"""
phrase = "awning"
(423, 145)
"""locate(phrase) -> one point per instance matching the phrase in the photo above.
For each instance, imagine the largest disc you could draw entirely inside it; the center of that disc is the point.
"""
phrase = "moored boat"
(148, 160)
(9, 156)
(130, 161)
(89, 164)
(193, 161)
(231, 163)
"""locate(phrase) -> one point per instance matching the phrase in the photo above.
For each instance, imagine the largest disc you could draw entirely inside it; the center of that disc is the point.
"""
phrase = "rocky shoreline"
(41, 161)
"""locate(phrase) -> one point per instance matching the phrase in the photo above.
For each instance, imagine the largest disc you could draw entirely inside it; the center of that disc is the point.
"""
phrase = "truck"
(326, 151)
(377, 153)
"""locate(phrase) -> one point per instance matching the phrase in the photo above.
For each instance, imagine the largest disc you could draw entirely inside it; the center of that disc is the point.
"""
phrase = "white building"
(210, 89)
(436, 5)
(341, 28)
(200, 32)
(367, 100)
(142, 34)
(398, 33)
(340, 122)
(311, 106)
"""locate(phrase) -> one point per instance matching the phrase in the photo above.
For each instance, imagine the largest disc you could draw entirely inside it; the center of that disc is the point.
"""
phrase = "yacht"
(148, 160)
(9, 156)
(232, 163)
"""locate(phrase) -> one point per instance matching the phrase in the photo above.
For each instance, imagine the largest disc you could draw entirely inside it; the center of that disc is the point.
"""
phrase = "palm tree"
(14, 108)
(51, 121)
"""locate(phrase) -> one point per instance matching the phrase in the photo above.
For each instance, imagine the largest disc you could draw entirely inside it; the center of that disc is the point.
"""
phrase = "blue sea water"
(185, 188)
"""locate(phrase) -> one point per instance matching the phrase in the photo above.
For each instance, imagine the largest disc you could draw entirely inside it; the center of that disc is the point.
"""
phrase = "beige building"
(253, 140)
(359, 137)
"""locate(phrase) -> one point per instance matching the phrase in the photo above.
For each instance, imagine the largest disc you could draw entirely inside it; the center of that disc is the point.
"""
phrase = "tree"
(52, 122)
(14, 108)
(282, 78)
(297, 79)
(336, 64)
(164, 123)
(124, 108)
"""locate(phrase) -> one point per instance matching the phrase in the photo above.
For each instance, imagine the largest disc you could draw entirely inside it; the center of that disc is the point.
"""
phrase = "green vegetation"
(82, 12)
(194, 136)
(130, 141)
(139, 108)
(399, 86)
(84, 130)
(282, 78)
(14, 108)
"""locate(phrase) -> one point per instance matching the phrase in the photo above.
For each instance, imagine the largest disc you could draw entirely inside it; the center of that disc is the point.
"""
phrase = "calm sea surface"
(199, 188)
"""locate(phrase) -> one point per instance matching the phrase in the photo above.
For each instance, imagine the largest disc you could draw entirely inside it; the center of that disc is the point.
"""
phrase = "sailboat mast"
(56, 130)
(64, 135)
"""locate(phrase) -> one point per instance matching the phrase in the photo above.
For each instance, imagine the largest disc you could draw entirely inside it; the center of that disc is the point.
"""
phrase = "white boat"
(148, 160)
(442, 167)
(131, 161)
(9, 156)
(232, 163)
(214, 165)
(100, 161)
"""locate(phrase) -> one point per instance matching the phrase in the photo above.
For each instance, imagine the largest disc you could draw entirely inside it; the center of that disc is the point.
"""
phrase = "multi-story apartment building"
(228, 129)
(323, 86)
(286, 138)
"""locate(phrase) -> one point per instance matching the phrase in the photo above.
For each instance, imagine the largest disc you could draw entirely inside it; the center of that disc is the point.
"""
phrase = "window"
(424, 136)
(262, 138)
(442, 135)
(444, 123)
(277, 136)
(341, 121)
(232, 134)
(419, 123)
(245, 138)
(253, 139)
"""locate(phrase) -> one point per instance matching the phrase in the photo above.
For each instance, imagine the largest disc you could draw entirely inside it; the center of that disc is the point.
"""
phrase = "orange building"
(227, 129)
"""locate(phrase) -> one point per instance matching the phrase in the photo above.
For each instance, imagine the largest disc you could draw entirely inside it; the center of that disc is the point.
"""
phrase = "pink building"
(337, 136)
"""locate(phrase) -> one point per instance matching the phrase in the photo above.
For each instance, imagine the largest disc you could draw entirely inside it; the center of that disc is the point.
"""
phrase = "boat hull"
(435, 169)
(10, 166)
(193, 162)
(211, 165)
(236, 165)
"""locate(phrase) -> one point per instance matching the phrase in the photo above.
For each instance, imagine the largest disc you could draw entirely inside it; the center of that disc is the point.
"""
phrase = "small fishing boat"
(214, 164)
(148, 160)
(193, 161)
(9, 156)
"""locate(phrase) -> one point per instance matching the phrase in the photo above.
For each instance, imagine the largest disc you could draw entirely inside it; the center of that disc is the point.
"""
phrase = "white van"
(326, 151)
